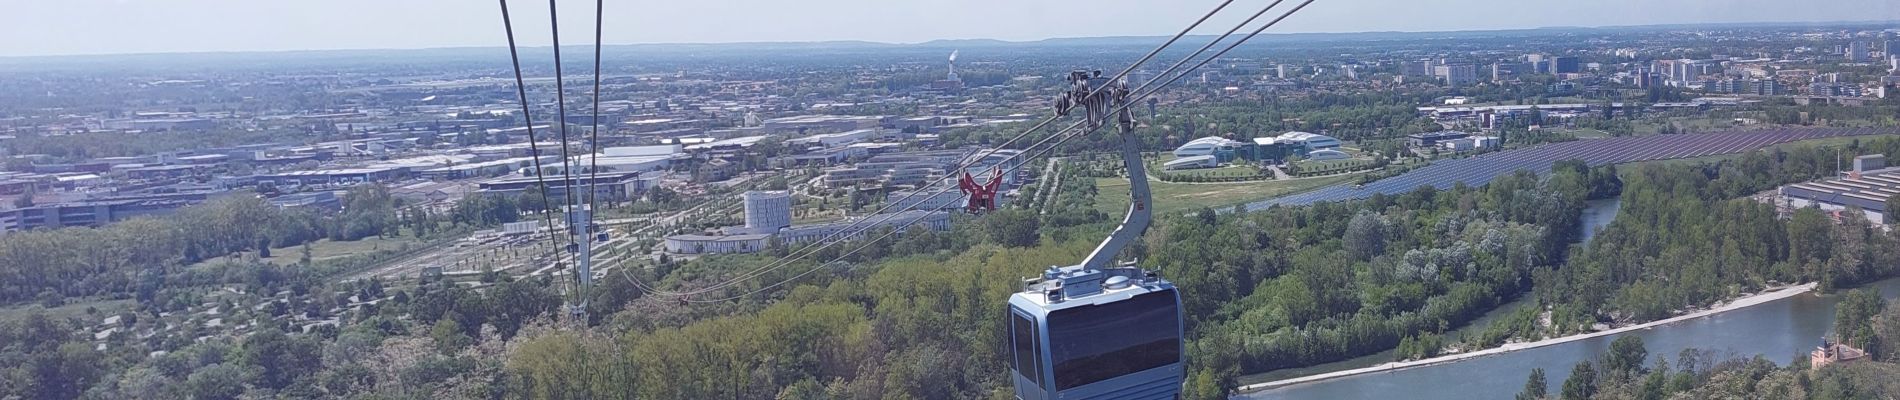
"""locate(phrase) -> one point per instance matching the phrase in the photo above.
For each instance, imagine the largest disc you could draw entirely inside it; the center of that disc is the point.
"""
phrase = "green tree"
(1626, 355)
(263, 247)
(664, 196)
(1887, 334)
(1013, 227)
(279, 358)
(1203, 385)
(1655, 383)
(1365, 235)
(512, 304)
(1854, 317)
(216, 382)
(62, 373)
(1891, 214)
(1810, 235)
(1582, 383)
(1534, 388)
(532, 199)
(449, 336)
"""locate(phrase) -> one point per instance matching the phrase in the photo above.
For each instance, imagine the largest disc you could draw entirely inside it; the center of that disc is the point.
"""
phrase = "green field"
(1587, 133)
(1112, 195)
(326, 249)
(1230, 170)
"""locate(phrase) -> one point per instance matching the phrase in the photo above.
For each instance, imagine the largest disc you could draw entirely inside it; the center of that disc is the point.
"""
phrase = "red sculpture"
(982, 196)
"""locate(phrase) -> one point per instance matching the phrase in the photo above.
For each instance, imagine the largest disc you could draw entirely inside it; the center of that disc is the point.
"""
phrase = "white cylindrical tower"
(767, 211)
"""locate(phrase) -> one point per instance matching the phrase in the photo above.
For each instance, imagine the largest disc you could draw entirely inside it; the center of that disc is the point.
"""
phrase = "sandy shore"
(1744, 302)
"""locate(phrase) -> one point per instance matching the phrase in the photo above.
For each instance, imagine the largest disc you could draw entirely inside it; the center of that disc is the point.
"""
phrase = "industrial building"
(717, 244)
(733, 146)
(1429, 139)
(322, 200)
(1491, 116)
(1470, 143)
(1191, 162)
(1867, 187)
(1207, 146)
(611, 186)
(1261, 149)
(820, 123)
(585, 163)
(94, 212)
(484, 168)
(163, 124)
(927, 200)
(830, 140)
(346, 176)
(1327, 155)
(1307, 141)
(767, 211)
(655, 150)
(895, 169)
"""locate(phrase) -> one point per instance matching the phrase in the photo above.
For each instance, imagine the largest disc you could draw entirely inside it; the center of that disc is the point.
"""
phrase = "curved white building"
(1205, 146)
(1322, 155)
(1192, 162)
(1312, 141)
(766, 212)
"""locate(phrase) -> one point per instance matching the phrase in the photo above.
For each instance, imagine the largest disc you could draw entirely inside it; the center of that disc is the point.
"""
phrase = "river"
(1778, 330)
(1597, 214)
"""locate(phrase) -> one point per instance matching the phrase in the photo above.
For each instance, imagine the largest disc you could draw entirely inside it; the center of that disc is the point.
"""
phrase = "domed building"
(1207, 146)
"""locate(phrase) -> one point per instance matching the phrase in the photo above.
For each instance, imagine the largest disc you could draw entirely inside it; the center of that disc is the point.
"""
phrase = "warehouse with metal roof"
(1867, 186)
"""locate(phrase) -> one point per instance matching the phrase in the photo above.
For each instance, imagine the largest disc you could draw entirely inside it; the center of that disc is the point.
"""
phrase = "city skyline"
(85, 27)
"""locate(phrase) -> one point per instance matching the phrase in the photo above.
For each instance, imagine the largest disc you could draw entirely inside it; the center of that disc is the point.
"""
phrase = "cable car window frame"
(1026, 344)
(1076, 355)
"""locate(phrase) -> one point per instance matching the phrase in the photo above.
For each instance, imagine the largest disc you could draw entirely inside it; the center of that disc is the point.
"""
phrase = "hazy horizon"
(107, 27)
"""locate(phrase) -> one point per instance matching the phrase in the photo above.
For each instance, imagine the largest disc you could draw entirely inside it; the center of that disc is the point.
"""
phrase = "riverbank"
(1736, 304)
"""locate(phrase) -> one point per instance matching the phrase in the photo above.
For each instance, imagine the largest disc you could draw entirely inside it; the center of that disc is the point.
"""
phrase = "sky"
(65, 27)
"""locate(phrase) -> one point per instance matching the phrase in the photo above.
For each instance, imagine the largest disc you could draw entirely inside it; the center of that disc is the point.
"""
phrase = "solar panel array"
(1481, 169)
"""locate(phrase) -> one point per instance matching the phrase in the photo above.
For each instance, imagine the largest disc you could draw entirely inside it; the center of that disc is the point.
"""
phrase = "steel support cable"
(521, 90)
(965, 165)
(848, 232)
(560, 105)
(593, 169)
(1065, 139)
(569, 198)
(992, 151)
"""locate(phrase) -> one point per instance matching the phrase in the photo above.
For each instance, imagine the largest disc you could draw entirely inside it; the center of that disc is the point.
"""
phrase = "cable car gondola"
(1095, 330)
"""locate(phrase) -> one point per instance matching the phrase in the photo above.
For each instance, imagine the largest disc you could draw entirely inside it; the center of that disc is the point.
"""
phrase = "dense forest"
(921, 323)
(1289, 287)
(137, 255)
(1686, 236)
(915, 315)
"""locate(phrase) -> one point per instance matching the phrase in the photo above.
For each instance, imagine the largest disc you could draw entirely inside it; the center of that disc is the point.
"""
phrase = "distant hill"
(848, 46)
